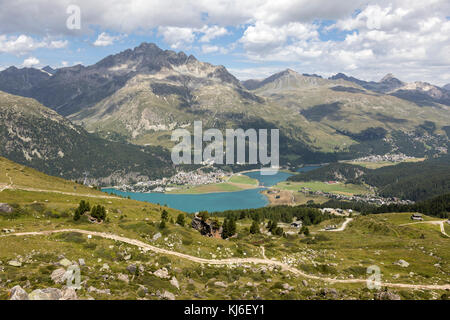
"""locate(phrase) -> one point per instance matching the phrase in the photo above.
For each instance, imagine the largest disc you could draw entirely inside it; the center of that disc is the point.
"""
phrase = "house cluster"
(363, 198)
(197, 177)
(417, 217)
(399, 157)
(337, 211)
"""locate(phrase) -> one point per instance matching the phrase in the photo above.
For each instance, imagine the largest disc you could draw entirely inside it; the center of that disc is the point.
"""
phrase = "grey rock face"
(5, 208)
(17, 293)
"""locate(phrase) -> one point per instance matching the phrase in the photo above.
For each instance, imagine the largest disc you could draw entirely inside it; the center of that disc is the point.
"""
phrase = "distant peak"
(48, 69)
(289, 71)
(388, 77)
(339, 75)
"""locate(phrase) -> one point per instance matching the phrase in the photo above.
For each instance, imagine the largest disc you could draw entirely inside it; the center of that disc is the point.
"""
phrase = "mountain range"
(138, 96)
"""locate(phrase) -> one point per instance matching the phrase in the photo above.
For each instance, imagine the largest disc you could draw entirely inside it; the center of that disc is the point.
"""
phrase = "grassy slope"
(369, 240)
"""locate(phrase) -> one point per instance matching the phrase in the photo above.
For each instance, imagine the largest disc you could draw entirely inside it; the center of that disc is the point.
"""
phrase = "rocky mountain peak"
(49, 70)
(387, 77)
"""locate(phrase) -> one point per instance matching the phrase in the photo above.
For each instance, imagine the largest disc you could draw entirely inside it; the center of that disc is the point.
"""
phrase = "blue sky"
(253, 39)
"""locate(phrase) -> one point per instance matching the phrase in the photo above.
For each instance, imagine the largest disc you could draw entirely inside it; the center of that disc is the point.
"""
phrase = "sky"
(251, 38)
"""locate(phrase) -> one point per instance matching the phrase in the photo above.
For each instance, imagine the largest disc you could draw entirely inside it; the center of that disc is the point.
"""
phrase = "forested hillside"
(413, 181)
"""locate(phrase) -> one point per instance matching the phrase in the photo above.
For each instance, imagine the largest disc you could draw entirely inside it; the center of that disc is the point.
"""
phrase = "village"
(367, 198)
(197, 177)
(399, 157)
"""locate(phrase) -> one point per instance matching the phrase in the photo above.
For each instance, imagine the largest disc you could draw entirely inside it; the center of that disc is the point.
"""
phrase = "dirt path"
(65, 193)
(440, 223)
(342, 227)
(6, 186)
(230, 261)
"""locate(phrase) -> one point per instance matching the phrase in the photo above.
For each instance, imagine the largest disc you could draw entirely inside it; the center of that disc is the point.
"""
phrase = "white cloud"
(210, 33)
(177, 37)
(262, 37)
(23, 44)
(30, 62)
(105, 39)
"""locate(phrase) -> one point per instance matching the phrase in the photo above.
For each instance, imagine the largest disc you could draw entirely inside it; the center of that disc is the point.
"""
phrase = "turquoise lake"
(268, 180)
(220, 201)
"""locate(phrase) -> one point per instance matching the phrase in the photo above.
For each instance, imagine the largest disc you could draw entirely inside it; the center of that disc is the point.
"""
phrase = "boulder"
(99, 291)
(386, 295)
(46, 294)
(162, 273)
(123, 277)
(175, 283)
(220, 284)
(6, 208)
(156, 236)
(305, 283)
(288, 287)
(17, 293)
(59, 275)
(402, 263)
(65, 262)
(69, 294)
(105, 267)
(167, 296)
(15, 263)
(81, 262)
(132, 268)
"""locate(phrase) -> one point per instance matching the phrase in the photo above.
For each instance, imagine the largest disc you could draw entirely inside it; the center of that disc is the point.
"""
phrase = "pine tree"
(181, 219)
(164, 215)
(254, 229)
(225, 230)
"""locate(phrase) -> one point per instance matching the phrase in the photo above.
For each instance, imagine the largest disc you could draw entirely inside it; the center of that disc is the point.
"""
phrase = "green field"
(208, 188)
(243, 179)
(338, 188)
(380, 164)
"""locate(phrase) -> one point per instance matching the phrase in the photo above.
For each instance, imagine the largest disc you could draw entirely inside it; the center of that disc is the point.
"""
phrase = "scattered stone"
(8, 230)
(132, 268)
(162, 273)
(175, 283)
(156, 236)
(99, 291)
(288, 287)
(268, 280)
(305, 283)
(123, 277)
(127, 257)
(59, 275)
(329, 292)
(105, 267)
(81, 262)
(17, 293)
(402, 263)
(167, 296)
(220, 284)
(46, 294)
(5, 208)
(15, 263)
(69, 294)
(65, 262)
(386, 295)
